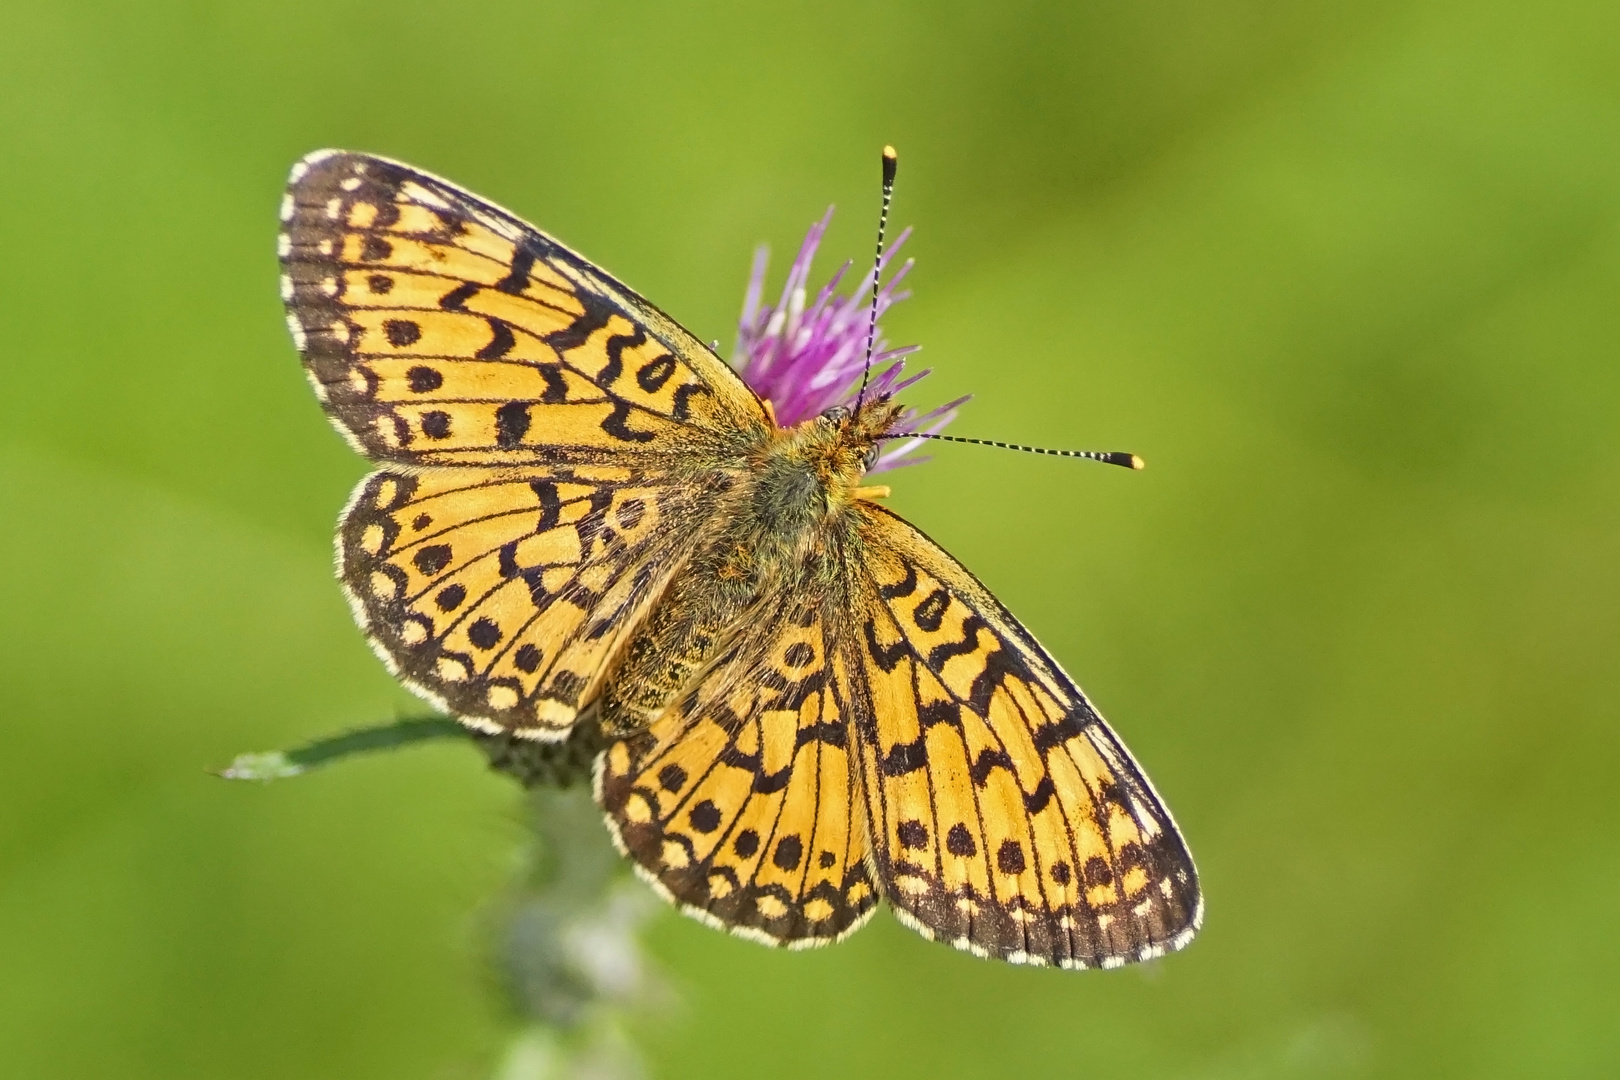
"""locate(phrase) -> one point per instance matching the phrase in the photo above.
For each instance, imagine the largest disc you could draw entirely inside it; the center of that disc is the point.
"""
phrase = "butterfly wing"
(440, 329)
(739, 803)
(1006, 818)
(548, 433)
(500, 595)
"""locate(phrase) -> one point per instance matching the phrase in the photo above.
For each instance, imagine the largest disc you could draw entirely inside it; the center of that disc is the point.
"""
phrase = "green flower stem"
(530, 763)
(279, 764)
(564, 937)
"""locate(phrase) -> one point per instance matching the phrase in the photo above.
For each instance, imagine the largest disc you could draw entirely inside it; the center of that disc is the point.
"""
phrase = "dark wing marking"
(1007, 818)
(440, 329)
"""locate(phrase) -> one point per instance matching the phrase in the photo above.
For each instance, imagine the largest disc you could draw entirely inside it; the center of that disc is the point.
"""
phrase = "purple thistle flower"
(806, 358)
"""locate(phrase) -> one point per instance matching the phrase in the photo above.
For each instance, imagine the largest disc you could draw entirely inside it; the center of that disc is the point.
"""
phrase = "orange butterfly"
(583, 517)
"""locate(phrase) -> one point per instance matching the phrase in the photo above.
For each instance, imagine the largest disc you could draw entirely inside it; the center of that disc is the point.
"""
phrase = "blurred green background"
(1345, 274)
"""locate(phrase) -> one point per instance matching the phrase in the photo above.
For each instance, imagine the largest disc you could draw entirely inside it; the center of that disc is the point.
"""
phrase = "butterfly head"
(851, 435)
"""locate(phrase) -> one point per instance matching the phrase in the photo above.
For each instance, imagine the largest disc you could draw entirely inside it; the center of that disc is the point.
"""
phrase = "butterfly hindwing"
(739, 802)
(1006, 818)
(503, 594)
(439, 329)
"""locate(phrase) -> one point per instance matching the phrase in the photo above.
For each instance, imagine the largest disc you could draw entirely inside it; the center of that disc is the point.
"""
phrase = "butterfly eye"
(836, 415)
(869, 459)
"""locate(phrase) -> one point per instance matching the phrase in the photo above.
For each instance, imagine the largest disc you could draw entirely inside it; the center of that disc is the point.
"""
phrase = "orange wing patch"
(1006, 818)
(739, 803)
(439, 329)
(503, 596)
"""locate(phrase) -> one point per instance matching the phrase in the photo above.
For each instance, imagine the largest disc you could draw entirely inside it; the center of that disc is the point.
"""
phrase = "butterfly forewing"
(439, 329)
(740, 802)
(1006, 818)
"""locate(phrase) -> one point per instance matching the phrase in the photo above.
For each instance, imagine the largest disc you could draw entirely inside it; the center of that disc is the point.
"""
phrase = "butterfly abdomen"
(677, 640)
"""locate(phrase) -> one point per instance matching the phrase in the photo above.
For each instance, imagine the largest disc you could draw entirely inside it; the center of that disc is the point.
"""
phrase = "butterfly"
(581, 515)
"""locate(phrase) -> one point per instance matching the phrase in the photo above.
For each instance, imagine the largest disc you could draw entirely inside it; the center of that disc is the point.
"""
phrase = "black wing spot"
(614, 424)
(904, 758)
(501, 341)
(913, 834)
(431, 559)
(484, 634)
(456, 299)
(507, 560)
(401, 332)
(527, 658)
(767, 783)
(799, 655)
(987, 762)
(652, 375)
(827, 860)
(969, 641)
(375, 249)
(380, 284)
(683, 395)
(596, 315)
(616, 344)
(1055, 734)
(705, 817)
(550, 504)
(789, 850)
(833, 733)
(436, 424)
(1060, 872)
(1036, 800)
(556, 391)
(959, 842)
(511, 424)
(746, 844)
(672, 778)
(450, 597)
(904, 587)
(998, 664)
(885, 657)
(1010, 857)
(931, 612)
(422, 379)
(1133, 854)
(517, 279)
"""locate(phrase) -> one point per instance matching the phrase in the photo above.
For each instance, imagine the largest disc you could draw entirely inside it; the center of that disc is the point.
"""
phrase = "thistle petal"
(806, 354)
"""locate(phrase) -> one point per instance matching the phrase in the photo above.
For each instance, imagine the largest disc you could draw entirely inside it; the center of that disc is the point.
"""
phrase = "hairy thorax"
(789, 516)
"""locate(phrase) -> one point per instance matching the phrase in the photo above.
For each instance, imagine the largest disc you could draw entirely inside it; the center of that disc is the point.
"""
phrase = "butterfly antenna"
(891, 162)
(1116, 457)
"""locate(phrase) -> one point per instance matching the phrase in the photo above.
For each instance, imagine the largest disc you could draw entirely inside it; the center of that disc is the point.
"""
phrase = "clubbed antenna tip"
(891, 162)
